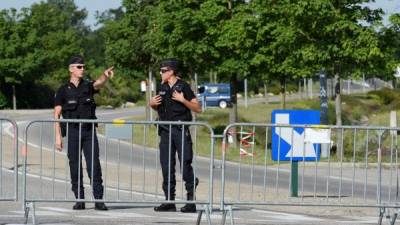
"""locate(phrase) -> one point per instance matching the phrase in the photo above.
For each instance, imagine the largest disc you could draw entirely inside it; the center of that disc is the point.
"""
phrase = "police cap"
(172, 63)
(76, 59)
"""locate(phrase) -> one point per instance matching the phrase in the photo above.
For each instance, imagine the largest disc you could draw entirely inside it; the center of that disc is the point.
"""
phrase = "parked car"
(215, 94)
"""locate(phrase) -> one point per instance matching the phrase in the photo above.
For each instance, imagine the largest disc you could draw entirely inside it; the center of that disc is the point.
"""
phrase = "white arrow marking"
(297, 147)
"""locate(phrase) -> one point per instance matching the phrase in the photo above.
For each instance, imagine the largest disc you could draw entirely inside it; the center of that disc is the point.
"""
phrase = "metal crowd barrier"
(356, 167)
(8, 160)
(129, 159)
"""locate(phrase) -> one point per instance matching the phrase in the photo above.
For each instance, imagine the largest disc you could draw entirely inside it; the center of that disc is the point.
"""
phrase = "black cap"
(76, 59)
(172, 63)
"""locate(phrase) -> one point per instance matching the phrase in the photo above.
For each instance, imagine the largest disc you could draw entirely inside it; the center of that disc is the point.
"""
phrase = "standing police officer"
(174, 102)
(74, 100)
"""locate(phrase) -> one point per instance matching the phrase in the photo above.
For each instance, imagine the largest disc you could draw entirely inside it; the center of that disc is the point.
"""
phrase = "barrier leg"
(30, 207)
(231, 215)
(26, 209)
(199, 217)
(224, 212)
(381, 214)
(227, 210)
(391, 218)
(208, 215)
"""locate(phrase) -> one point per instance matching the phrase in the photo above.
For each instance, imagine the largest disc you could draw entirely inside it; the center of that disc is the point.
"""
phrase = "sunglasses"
(164, 70)
(80, 67)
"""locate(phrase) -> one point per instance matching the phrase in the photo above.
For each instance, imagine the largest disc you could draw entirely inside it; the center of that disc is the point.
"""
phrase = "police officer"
(74, 100)
(174, 102)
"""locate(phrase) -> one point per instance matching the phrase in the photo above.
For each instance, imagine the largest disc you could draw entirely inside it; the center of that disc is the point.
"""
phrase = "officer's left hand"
(109, 73)
(178, 96)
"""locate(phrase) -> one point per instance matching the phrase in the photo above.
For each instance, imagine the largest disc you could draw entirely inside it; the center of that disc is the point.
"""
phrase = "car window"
(224, 90)
(212, 90)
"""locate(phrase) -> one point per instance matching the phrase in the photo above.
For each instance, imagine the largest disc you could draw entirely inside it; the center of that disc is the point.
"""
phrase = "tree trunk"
(299, 89)
(338, 109)
(283, 93)
(265, 93)
(14, 98)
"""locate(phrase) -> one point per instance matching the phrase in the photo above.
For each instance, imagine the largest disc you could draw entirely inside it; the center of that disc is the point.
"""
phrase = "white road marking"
(56, 209)
(12, 216)
(42, 213)
(31, 224)
(124, 215)
(95, 217)
(286, 216)
(359, 221)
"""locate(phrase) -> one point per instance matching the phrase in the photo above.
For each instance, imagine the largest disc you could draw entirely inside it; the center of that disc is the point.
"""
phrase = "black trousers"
(168, 149)
(87, 137)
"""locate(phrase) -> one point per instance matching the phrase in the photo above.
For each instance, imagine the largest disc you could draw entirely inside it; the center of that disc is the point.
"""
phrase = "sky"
(91, 6)
(389, 6)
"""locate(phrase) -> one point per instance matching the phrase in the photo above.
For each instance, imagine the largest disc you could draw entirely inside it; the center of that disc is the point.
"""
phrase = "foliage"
(3, 100)
(390, 44)
(265, 41)
(387, 97)
(36, 42)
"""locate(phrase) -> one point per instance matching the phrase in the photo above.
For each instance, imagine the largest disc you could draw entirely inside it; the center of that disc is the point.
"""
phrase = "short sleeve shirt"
(60, 97)
(171, 110)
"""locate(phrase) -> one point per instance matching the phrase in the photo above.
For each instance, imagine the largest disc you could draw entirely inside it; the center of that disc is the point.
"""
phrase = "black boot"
(79, 206)
(190, 207)
(100, 206)
(165, 207)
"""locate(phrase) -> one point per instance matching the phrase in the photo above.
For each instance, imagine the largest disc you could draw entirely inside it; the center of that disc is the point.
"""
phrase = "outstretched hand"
(109, 73)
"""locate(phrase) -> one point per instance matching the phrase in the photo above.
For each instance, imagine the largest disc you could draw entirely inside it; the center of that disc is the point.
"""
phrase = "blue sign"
(287, 142)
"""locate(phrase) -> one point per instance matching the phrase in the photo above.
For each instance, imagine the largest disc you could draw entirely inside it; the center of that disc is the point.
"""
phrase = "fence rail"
(130, 164)
(359, 167)
(262, 165)
(8, 160)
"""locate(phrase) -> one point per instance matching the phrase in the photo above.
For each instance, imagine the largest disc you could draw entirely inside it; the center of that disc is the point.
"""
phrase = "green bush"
(385, 95)
(275, 87)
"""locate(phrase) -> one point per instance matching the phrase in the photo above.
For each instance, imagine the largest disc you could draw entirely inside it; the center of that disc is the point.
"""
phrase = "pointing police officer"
(75, 100)
(174, 102)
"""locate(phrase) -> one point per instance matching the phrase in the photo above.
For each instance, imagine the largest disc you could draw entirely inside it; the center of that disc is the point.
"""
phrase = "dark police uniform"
(78, 103)
(171, 110)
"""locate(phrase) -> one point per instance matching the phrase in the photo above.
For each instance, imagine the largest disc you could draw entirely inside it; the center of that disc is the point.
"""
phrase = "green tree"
(124, 31)
(390, 46)
(342, 39)
(16, 61)
(36, 42)
(281, 48)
